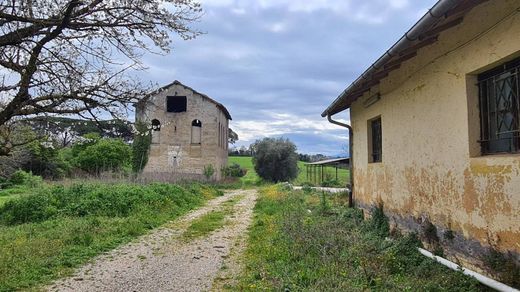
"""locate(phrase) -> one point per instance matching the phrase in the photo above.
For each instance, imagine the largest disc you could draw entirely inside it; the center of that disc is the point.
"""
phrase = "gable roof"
(443, 15)
(177, 82)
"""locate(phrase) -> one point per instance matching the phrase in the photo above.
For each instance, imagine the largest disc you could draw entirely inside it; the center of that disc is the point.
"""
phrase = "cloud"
(280, 123)
(276, 65)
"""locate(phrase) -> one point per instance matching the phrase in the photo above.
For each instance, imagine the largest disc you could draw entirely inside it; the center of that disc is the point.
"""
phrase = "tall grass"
(312, 242)
(45, 235)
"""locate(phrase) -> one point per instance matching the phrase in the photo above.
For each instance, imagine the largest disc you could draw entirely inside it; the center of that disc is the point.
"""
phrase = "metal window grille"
(376, 140)
(499, 109)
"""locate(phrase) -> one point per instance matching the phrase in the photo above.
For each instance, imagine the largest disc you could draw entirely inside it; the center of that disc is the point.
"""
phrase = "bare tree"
(76, 56)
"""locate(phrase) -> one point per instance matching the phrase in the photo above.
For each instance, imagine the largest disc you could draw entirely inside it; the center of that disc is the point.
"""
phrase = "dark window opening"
(156, 125)
(176, 104)
(196, 123)
(377, 141)
(499, 109)
(196, 132)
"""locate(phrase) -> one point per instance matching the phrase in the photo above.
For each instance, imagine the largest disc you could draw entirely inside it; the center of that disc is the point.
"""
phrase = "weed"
(293, 249)
(504, 266)
(449, 235)
(209, 170)
(379, 221)
(429, 232)
(324, 205)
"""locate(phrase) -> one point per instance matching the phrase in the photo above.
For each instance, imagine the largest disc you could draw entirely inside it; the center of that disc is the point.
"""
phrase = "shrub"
(275, 159)
(379, 222)
(234, 170)
(44, 159)
(209, 170)
(103, 155)
(21, 177)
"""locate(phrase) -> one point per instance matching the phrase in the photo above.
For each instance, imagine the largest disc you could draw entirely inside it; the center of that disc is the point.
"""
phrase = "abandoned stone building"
(189, 134)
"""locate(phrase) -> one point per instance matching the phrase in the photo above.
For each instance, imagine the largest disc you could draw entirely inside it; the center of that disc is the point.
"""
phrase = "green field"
(252, 177)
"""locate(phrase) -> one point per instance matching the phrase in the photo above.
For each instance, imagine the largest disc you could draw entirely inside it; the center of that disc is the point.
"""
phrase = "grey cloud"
(273, 57)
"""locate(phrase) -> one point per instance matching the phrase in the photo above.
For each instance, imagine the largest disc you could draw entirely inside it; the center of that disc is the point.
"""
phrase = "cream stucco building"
(436, 129)
(189, 133)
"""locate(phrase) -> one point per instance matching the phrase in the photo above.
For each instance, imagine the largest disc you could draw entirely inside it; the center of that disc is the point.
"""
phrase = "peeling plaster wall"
(432, 167)
(173, 157)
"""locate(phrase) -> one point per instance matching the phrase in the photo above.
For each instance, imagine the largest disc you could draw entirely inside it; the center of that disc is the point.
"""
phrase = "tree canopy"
(275, 159)
(75, 57)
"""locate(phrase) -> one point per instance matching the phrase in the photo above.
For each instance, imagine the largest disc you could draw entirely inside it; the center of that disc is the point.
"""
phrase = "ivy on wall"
(141, 147)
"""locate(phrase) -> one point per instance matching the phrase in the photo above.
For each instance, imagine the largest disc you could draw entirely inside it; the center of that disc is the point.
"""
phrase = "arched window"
(196, 132)
(156, 127)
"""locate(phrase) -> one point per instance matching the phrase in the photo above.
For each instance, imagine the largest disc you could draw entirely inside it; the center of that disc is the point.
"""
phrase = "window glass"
(499, 109)
(376, 140)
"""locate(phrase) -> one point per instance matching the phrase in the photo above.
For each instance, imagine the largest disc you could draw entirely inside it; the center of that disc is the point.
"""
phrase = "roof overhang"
(443, 15)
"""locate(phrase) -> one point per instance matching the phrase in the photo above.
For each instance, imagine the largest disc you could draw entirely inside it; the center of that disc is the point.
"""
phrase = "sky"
(277, 64)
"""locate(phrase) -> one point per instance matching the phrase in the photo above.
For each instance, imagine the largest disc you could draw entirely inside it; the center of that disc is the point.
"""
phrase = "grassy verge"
(46, 235)
(311, 242)
(212, 221)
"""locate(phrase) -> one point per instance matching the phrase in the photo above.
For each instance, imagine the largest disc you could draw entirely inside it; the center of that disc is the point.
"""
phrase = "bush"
(234, 170)
(44, 159)
(276, 159)
(21, 177)
(103, 155)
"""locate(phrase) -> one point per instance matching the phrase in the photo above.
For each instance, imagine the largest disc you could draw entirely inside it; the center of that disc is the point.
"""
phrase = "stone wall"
(172, 153)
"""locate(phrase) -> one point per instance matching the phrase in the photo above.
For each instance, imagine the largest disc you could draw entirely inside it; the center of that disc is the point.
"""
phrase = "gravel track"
(164, 261)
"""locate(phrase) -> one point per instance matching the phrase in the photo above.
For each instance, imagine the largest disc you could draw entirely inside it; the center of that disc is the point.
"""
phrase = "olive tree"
(275, 160)
(74, 57)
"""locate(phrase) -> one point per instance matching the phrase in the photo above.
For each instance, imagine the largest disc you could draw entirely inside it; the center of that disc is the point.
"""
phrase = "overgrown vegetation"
(141, 147)
(45, 235)
(97, 155)
(234, 170)
(312, 242)
(503, 266)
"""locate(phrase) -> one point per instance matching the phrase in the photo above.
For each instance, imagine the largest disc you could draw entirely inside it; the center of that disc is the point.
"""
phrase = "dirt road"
(165, 260)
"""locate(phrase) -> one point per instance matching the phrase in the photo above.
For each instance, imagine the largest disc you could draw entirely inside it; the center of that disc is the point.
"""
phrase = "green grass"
(212, 221)
(312, 242)
(13, 193)
(329, 172)
(251, 178)
(205, 224)
(46, 235)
